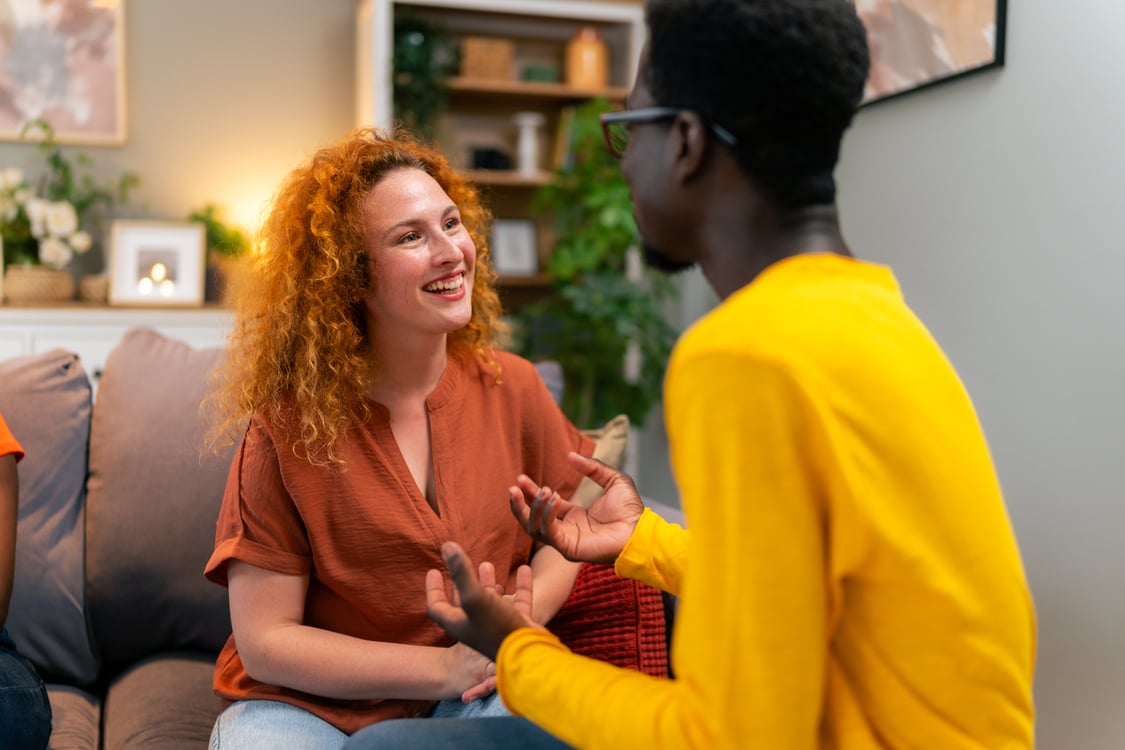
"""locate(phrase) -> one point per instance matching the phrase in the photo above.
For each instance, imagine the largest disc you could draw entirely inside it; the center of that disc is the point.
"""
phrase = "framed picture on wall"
(156, 263)
(63, 62)
(513, 244)
(918, 43)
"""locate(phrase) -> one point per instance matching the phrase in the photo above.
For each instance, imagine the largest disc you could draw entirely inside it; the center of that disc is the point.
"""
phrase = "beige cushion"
(45, 399)
(612, 440)
(76, 718)
(163, 703)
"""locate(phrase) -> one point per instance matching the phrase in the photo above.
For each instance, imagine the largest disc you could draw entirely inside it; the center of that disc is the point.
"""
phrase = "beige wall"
(223, 99)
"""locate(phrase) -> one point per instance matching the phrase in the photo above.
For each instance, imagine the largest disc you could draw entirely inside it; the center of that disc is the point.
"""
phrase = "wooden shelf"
(507, 178)
(529, 90)
(538, 281)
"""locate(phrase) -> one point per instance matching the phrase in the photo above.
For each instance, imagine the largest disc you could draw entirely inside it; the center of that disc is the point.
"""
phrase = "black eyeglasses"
(615, 126)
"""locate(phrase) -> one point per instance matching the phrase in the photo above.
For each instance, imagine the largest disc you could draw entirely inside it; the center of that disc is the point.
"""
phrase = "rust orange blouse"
(366, 536)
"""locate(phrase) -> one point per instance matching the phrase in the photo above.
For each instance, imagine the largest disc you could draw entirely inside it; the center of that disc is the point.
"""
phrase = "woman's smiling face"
(421, 257)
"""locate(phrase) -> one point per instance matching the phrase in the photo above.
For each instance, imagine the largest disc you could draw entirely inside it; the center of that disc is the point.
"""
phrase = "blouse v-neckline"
(438, 398)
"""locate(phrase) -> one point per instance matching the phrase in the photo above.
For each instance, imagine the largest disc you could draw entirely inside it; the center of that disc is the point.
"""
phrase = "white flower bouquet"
(37, 230)
(48, 226)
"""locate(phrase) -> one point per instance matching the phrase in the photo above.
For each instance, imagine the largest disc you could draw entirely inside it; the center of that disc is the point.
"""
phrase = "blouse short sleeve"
(258, 522)
(8, 443)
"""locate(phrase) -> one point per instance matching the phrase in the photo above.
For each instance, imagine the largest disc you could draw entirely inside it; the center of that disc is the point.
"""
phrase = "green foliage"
(225, 239)
(594, 310)
(63, 181)
(425, 55)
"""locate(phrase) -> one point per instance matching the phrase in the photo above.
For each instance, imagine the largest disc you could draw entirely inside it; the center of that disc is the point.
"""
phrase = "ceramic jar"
(587, 61)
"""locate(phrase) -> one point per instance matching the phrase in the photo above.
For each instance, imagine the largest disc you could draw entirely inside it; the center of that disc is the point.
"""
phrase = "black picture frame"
(917, 44)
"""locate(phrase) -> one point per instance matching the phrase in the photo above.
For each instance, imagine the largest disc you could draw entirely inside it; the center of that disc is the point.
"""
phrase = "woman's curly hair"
(298, 354)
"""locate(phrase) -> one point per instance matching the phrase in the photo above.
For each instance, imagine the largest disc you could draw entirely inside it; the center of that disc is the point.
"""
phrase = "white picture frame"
(157, 263)
(514, 247)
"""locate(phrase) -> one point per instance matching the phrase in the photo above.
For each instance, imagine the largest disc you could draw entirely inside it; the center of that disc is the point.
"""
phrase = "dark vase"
(21, 252)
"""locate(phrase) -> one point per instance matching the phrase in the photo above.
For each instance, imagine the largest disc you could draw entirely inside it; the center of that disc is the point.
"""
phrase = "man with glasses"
(850, 578)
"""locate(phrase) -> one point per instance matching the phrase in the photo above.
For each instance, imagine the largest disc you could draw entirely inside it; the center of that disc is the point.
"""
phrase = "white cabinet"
(92, 332)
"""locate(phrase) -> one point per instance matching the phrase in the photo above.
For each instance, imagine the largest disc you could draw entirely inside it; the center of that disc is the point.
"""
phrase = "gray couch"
(117, 518)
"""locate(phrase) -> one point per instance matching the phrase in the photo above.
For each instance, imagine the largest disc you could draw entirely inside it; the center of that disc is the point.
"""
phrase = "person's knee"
(265, 725)
(25, 709)
(25, 718)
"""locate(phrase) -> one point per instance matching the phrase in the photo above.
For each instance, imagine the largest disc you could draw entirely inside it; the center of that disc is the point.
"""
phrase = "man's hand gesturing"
(596, 534)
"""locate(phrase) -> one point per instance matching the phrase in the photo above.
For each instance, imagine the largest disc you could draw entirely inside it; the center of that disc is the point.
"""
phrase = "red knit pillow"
(616, 620)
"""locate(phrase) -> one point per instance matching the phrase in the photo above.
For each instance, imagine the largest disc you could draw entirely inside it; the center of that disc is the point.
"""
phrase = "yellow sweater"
(850, 579)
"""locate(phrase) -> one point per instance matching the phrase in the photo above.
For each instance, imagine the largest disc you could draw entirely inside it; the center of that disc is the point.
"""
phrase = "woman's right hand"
(471, 675)
(596, 534)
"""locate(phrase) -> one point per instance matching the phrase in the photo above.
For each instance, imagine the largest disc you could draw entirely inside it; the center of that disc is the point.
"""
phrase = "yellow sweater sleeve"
(655, 554)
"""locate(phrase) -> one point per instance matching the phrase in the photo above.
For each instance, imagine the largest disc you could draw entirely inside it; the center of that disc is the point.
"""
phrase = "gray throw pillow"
(551, 373)
(45, 399)
(154, 495)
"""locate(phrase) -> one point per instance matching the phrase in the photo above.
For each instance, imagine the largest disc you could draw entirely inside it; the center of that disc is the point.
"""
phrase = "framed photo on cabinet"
(156, 263)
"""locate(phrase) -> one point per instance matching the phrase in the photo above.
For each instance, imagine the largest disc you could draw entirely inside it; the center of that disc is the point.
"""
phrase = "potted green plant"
(225, 245)
(595, 311)
(425, 55)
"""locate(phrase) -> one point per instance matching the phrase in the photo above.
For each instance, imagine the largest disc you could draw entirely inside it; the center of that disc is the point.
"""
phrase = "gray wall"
(998, 200)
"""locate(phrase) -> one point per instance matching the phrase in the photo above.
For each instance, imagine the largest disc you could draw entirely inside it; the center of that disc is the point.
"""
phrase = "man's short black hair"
(784, 76)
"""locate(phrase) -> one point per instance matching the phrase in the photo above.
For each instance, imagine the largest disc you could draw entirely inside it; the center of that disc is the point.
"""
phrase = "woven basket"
(93, 288)
(37, 284)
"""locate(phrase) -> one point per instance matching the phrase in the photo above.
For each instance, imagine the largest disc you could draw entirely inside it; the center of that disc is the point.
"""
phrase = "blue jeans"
(483, 725)
(267, 725)
(25, 711)
(490, 733)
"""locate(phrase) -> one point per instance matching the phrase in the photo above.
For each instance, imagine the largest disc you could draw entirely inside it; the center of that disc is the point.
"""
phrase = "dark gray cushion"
(551, 373)
(165, 703)
(45, 399)
(154, 495)
(75, 718)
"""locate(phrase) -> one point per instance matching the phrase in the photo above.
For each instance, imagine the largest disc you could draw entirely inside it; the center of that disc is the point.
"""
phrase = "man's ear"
(689, 138)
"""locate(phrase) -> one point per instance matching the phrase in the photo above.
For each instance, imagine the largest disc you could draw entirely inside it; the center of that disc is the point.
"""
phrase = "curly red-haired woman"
(377, 420)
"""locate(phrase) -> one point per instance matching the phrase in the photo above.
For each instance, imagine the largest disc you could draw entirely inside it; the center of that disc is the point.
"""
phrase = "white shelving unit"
(514, 18)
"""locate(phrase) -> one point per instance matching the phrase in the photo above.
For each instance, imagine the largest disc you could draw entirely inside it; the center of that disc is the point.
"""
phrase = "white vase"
(527, 144)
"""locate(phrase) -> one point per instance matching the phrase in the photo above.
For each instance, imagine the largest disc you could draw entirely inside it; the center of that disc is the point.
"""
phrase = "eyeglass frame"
(652, 114)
